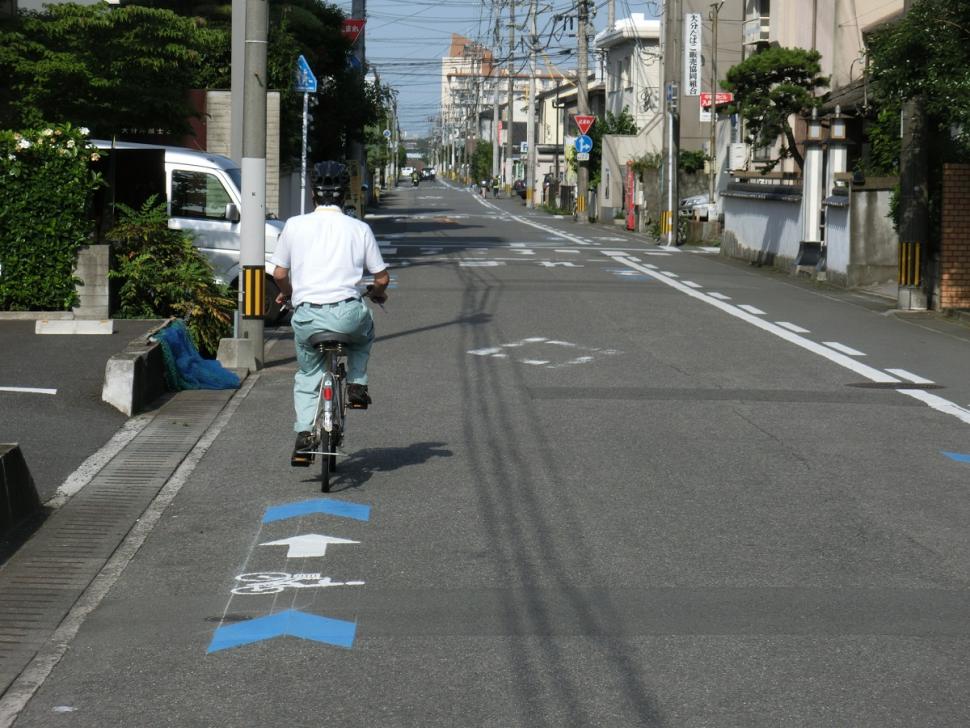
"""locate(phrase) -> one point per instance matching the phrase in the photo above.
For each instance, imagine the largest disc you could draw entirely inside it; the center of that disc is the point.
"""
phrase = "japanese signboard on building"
(692, 54)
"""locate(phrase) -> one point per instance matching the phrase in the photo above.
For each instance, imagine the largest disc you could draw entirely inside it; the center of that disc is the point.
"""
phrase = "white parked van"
(204, 199)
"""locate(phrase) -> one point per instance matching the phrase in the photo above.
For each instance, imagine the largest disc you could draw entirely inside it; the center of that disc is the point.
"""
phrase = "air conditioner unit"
(738, 156)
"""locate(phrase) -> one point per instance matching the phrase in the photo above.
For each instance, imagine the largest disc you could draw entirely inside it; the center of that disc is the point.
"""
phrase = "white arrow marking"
(310, 545)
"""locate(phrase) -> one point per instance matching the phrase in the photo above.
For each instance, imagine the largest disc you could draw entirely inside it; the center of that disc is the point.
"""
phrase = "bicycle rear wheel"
(328, 463)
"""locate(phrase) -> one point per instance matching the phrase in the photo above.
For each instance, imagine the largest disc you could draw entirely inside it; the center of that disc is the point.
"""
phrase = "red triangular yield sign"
(352, 29)
(584, 122)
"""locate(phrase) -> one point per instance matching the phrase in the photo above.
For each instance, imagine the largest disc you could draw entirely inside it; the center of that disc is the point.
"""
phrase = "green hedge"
(45, 193)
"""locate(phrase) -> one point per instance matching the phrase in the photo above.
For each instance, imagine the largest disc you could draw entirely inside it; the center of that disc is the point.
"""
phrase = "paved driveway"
(58, 431)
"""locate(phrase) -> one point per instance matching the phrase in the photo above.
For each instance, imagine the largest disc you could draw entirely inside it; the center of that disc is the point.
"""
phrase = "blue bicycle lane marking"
(331, 507)
(958, 457)
(293, 622)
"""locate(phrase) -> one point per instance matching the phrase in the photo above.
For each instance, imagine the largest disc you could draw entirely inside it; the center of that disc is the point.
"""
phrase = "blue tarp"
(185, 368)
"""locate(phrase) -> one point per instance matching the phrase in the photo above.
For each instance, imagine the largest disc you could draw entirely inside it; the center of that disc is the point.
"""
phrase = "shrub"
(162, 274)
(46, 190)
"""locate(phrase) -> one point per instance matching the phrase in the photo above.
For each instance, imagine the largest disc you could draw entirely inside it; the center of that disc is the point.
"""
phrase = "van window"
(198, 194)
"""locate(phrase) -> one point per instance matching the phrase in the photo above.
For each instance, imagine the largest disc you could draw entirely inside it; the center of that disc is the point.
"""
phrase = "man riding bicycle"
(320, 257)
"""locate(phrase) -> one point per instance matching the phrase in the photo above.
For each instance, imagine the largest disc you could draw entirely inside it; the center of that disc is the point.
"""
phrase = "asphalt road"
(597, 494)
(59, 429)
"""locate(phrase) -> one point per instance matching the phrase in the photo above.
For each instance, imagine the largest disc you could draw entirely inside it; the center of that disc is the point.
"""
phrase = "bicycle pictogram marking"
(273, 582)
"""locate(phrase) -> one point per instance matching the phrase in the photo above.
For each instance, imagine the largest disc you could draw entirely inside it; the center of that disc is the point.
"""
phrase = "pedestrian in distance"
(320, 258)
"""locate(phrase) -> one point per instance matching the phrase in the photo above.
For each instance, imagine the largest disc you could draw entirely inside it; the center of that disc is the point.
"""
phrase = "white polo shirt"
(326, 253)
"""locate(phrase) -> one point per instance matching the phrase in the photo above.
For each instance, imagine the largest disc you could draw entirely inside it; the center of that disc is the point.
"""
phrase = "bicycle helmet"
(330, 181)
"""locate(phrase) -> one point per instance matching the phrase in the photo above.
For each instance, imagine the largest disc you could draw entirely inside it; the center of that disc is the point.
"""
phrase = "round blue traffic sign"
(583, 144)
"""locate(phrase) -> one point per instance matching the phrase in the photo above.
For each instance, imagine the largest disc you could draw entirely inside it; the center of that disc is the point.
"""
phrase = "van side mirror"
(232, 212)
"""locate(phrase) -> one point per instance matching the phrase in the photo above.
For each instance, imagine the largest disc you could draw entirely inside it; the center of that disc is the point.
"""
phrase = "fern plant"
(162, 274)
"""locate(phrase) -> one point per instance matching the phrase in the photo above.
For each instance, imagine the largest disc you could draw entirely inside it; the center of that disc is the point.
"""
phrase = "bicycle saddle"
(329, 337)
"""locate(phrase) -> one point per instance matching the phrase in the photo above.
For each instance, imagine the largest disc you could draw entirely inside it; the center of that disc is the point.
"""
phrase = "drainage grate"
(41, 582)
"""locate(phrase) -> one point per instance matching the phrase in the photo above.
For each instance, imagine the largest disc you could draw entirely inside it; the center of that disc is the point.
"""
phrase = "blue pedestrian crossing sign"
(583, 144)
(305, 82)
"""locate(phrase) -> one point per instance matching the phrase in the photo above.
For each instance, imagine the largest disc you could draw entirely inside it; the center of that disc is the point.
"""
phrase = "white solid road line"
(28, 390)
(871, 373)
(799, 330)
(909, 376)
(848, 350)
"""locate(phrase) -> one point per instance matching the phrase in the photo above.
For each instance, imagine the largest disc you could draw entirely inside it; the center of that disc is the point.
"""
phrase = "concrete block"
(93, 262)
(74, 327)
(237, 354)
(134, 378)
(911, 298)
(18, 495)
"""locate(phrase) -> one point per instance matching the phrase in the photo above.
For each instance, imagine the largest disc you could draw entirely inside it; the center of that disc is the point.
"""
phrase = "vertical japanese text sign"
(692, 54)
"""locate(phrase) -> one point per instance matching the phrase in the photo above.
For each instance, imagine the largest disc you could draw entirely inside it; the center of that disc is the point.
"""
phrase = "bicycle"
(329, 423)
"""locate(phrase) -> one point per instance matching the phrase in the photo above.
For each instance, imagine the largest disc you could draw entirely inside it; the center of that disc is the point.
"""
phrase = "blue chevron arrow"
(329, 506)
(960, 458)
(290, 623)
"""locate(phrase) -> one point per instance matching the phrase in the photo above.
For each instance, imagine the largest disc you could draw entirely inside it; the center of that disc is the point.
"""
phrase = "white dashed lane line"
(751, 309)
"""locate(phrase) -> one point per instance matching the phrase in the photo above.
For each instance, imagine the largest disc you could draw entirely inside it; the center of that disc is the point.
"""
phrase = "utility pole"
(715, 11)
(493, 75)
(672, 70)
(511, 97)
(913, 204)
(358, 10)
(582, 104)
(252, 227)
(531, 116)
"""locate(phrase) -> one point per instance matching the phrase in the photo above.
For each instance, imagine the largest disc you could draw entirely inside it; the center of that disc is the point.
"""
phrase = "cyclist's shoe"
(301, 459)
(357, 397)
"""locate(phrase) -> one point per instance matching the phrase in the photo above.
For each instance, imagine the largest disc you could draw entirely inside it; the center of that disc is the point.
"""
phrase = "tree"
(923, 56)
(481, 162)
(106, 68)
(771, 86)
(920, 62)
(621, 123)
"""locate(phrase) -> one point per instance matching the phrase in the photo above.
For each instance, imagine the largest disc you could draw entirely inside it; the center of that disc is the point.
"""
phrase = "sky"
(406, 40)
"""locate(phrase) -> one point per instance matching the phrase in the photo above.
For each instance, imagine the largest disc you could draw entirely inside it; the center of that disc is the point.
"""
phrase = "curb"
(36, 315)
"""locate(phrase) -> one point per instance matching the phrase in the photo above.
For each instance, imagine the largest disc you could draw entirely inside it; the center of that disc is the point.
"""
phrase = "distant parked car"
(428, 173)
(518, 187)
(698, 207)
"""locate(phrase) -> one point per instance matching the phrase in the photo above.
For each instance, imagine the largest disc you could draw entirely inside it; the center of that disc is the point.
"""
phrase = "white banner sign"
(692, 54)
